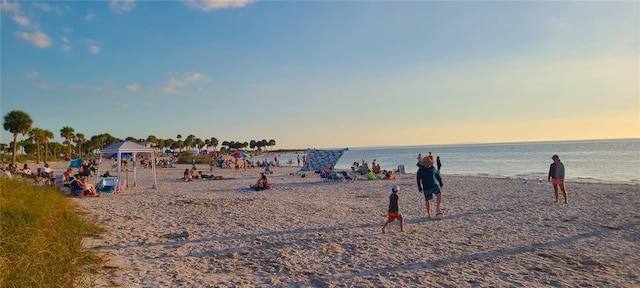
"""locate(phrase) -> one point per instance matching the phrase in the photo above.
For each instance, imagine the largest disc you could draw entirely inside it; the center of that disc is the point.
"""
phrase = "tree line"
(39, 140)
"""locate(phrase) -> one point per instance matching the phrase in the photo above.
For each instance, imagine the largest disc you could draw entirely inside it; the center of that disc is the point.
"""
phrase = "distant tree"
(67, 133)
(80, 139)
(169, 143)
(17, 122)
(214, 142)
(56, 148)
(132, 139)
(271, 143)
(46, 136)
(37, 135)
(252, 144)
(198, 143)
(188, 142)
(179, 137)
(153, 140)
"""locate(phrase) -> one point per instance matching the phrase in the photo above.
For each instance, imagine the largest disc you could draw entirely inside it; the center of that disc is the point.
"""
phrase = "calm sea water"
(605, 161)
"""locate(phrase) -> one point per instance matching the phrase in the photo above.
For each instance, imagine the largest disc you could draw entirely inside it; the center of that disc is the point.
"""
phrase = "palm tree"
(179, 142)
(36, 135)
(189, 140)
(17, 122)
(46, 136)
(213, 142)
(80, 139)
(272, 143)
(67, 133)
(153, 140)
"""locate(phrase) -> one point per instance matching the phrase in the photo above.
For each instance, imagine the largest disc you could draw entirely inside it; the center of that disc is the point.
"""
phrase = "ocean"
(602, 161)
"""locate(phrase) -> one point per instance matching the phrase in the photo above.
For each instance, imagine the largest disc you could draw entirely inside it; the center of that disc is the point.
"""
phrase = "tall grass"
(41, 233)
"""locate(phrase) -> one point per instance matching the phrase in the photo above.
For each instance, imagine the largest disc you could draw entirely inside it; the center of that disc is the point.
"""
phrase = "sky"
(325, 74)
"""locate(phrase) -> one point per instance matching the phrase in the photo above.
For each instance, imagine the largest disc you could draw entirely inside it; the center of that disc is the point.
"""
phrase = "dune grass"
(41, 238)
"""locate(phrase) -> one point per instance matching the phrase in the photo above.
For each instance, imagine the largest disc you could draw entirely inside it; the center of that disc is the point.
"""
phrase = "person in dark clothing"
(438, 163)
(426, 177)
(394, 212)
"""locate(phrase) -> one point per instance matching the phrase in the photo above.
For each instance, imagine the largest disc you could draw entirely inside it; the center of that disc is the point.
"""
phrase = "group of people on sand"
(79, 184)
(193, 173)
(430, 183)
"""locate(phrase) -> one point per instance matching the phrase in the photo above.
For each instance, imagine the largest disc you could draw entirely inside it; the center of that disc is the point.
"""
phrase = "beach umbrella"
(75, 163)
(168, 151)
(241, 154)
(123, 155)
(204, 152)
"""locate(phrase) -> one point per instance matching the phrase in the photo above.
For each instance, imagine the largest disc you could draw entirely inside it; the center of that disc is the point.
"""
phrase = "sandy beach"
(311, 232)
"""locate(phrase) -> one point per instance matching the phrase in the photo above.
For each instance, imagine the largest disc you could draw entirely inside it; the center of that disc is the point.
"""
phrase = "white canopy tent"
(133, 148)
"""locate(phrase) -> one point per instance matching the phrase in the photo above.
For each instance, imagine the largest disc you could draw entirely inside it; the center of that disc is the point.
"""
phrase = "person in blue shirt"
(426, 177)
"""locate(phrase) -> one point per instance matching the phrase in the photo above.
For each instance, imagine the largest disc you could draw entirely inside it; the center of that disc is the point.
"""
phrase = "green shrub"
(41, 238)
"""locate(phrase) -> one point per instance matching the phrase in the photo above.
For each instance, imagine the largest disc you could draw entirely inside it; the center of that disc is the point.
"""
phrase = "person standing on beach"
(419, 159)
(556, 176)
(394, 212)
(426, 177)
(438, 163)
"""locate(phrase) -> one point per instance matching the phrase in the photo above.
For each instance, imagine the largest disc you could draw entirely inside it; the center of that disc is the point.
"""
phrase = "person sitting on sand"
(388, 174)
(371, 175)
(187, 175)
(262, 183)
(90, 190)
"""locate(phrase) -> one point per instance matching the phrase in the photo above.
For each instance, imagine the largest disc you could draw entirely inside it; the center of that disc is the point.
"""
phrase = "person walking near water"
(438, 163)
(426, 177)
(556, 176)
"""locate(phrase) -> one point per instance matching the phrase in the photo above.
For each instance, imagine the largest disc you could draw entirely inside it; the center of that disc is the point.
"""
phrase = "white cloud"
(89, 16)
(120, 6)
(43, 85)
(133, 87)
(43, 6)
(218, 4)
(10, 7)
(173, 83)
(194, 77)
(32, 75)
(67, 29)
(64, 39)
(94, 49)
(22, 20)
(121, 105)
(38, 39)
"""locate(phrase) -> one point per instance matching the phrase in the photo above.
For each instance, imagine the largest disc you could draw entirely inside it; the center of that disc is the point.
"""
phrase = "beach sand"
(311, 232)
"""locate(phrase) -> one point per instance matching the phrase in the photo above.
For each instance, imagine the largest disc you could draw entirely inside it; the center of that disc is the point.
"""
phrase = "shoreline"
(321, 233)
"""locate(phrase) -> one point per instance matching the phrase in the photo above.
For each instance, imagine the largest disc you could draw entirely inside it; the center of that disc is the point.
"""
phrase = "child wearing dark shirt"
(394, 212)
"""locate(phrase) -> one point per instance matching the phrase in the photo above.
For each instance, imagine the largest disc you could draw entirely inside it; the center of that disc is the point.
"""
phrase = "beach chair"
(58, 181)
(121, 185)
(107, 185)
(76, 189)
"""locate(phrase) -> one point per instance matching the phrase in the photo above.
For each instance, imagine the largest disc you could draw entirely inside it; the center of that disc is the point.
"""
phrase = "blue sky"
(325, 74)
